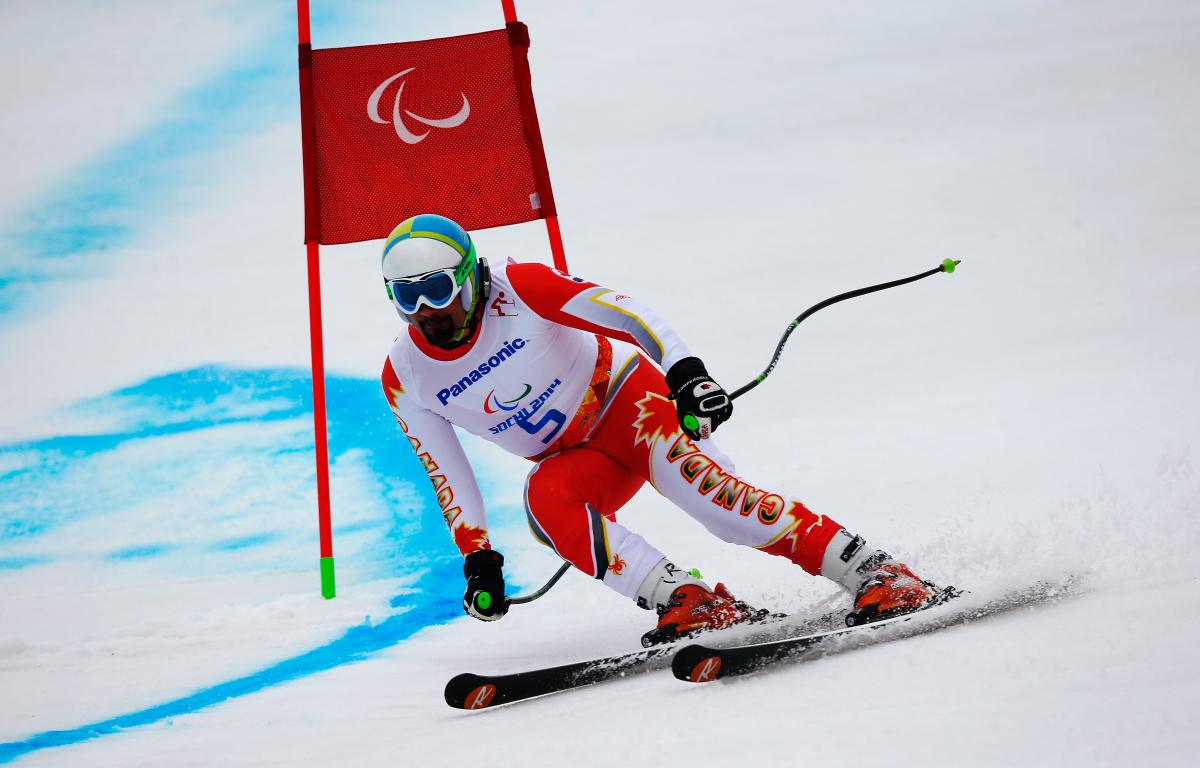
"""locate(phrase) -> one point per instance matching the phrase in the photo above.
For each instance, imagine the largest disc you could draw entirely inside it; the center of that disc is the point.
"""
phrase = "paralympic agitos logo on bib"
(509, 349)
(493, 404)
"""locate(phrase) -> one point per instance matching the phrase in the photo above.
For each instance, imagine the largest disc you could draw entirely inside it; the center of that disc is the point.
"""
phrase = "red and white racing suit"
(559, 371)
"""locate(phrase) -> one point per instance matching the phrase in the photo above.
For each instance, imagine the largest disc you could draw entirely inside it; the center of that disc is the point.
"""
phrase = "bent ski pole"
(545, 588)
(946, 266)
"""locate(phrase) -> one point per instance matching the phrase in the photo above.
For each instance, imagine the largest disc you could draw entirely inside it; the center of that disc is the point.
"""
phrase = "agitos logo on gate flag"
(445, 126)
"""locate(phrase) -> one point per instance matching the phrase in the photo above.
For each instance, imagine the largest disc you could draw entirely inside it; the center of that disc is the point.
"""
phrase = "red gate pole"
(556, 244)
(552, 230)
(312, 241)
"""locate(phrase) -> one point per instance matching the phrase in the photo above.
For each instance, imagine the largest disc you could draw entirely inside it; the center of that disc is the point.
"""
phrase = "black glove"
(701, 403)
(484, 598)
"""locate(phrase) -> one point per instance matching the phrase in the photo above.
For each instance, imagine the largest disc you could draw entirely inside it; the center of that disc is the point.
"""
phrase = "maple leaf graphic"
(468, 538)
(656, 418)
(394, 404)
(803, 522)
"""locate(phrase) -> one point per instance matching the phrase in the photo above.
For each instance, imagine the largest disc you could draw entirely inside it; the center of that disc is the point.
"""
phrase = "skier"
(569, 374)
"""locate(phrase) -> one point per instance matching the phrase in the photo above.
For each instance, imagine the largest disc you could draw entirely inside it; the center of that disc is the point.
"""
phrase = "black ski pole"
(947, 265)
(545, 587)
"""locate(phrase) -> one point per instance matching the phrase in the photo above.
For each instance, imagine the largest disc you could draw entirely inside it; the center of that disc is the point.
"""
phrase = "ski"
(472, 691)
(702, 663)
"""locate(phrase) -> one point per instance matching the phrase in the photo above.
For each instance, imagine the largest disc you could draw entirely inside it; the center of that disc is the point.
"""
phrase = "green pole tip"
(949, 264)
(483, 600)
(691, 422)
(328, 584)
(695, 573)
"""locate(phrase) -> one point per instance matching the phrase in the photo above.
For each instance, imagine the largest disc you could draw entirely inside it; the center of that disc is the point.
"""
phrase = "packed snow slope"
(1032, 416)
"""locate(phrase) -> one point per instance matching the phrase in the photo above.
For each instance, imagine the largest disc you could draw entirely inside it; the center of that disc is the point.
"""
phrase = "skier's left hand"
(701, 403)
(484, 598)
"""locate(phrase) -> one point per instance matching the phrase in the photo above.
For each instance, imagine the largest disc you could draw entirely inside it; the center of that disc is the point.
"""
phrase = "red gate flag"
(442, 126)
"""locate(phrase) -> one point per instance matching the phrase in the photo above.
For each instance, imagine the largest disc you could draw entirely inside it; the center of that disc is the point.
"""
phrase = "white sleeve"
(441, 455)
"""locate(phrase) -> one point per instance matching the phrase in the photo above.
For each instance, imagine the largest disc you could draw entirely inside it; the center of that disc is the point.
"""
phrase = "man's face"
(439, 326)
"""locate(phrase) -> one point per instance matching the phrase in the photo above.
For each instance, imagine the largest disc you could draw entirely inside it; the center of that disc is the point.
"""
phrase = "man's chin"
(438, 333)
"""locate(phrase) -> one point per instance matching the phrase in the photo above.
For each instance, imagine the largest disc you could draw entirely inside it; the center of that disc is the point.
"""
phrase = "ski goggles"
(434, 289)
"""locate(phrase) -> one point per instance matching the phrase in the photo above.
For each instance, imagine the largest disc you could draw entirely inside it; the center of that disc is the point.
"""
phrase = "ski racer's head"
(434, 279)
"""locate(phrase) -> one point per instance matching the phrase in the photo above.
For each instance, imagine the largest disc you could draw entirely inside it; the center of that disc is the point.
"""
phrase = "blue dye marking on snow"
(16, 563)
(357, 644)
(232, 545)
(40, 497)
(51, 482)
(104, 204)
(142, 552)
(365, 525)
(107, 202)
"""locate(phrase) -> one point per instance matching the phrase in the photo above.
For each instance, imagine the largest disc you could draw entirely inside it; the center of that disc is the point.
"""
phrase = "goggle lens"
(438, 290)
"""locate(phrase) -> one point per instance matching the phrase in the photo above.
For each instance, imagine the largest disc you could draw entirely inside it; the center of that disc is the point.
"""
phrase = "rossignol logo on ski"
(480, 697)
(706, 670)
(509, 349)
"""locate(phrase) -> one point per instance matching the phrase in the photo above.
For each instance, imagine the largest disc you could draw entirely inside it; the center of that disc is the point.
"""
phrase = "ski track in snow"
(1032, 416)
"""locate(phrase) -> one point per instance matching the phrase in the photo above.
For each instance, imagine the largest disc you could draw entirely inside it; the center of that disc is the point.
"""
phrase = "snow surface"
(1031, 416)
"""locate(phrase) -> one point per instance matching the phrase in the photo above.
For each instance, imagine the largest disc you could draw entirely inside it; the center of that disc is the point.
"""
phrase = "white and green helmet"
(429, 260)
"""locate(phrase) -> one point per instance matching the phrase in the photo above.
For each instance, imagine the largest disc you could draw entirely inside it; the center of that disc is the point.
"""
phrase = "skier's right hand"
(484, 598)
(701, 403)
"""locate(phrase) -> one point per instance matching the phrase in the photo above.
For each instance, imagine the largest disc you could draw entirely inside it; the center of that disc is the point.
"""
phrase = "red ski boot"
(890, 589)
(692, 608)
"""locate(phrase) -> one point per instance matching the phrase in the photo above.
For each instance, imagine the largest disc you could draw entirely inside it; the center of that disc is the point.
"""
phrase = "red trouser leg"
(571, 500)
